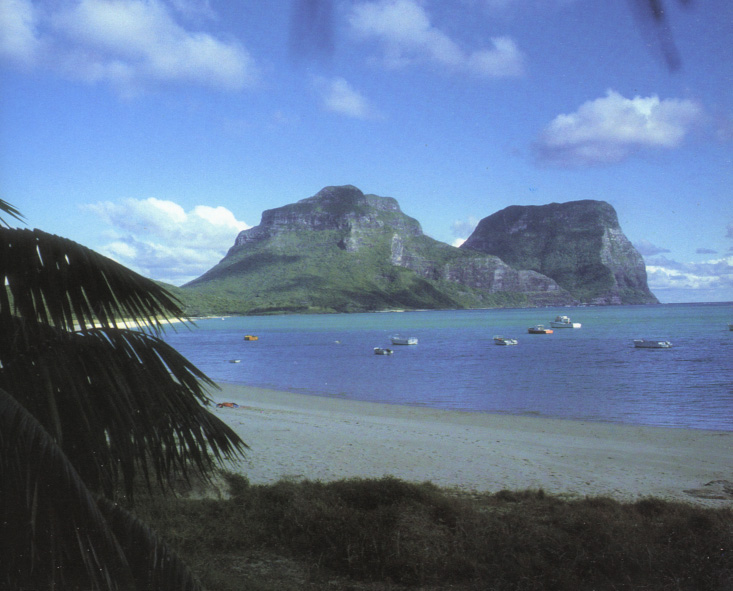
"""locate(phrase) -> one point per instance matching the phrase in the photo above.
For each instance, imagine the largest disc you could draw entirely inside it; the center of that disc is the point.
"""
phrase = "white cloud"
(705, 281)
(462, 229)
(514, 7)
(121, 250)
(19, 41)
(407, 36)
(130, 44)
(194, 8)
(611, 128)
(646, 248)
(339, 96)
(219, 217)
(708, 281)
(503, 60)
(159, 239)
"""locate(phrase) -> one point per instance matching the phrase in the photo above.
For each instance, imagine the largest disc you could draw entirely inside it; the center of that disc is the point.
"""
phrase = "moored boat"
(564, 322)
(398, 340)
(499, 340)
(651, 344)
(382, 351)
(539, 329)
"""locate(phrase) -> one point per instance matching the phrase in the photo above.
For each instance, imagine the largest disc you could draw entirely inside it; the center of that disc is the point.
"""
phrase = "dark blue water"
(593, 373)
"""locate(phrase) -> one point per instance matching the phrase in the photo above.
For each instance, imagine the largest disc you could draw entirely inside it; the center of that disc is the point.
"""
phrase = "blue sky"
(154, 131)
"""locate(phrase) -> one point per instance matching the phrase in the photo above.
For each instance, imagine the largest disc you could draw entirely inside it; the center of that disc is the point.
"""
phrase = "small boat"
(398, 340)
(564, 322)
(499, 340)
(235, 360)
(250, 337)
(651, 344)
(539, 329)
(227, 405)
(381, 351)
(730, 326)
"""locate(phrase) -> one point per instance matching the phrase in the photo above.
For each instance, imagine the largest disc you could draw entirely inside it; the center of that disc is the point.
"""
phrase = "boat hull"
(564, 322)
(651, 344)
(404, 340)
(539, 330)
(381, 351)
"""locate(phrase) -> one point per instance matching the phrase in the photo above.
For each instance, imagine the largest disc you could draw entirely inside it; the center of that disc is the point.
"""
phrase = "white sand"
(318, 438)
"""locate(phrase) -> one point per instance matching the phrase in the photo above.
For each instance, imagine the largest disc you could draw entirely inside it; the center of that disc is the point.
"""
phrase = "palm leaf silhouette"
(91, 398)
(42, 501)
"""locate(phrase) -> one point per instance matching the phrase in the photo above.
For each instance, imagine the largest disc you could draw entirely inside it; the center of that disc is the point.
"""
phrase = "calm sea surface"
(593, 373)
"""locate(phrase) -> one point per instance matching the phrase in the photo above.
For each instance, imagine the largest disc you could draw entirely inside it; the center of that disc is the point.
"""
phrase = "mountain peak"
(343, 250)
(341, 208)
(579, 244)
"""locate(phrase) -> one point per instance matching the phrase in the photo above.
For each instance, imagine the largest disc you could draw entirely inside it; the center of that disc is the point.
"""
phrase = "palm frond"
(119, 402)
(84, 405)
(84, 542)
(56, 281)
(10, 210)
(153, 564)
(51, 530)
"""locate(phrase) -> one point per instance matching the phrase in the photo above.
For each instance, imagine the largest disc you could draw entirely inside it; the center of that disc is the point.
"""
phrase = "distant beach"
(320, 438)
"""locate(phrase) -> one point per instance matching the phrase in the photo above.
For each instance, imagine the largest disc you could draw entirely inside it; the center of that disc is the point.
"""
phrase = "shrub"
(387, 532)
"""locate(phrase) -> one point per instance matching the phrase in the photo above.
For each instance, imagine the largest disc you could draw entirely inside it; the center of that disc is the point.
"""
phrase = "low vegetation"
(305, 272)
(382, 534)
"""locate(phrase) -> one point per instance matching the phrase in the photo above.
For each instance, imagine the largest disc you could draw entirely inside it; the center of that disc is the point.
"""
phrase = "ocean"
(592, 373)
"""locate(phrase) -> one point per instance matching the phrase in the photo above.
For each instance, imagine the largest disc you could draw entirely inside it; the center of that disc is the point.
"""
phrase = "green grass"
(307, 271)
(389, 534)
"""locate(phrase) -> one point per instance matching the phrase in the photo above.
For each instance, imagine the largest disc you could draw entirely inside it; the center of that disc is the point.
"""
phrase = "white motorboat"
(381, 351)
(651, 344)
(564, 322)
(398, 340)
(499, 340)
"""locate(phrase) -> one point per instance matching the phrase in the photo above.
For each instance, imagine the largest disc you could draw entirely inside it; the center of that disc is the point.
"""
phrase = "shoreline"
(298, 436)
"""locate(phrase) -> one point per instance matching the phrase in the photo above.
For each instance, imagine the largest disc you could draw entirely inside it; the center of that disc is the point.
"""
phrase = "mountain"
(579, 244)
(344, 251)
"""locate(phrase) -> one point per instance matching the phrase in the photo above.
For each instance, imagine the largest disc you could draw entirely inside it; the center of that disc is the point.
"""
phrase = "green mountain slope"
(343, 251)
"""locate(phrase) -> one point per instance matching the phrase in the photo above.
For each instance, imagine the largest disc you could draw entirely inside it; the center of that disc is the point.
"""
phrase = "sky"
(154, 131)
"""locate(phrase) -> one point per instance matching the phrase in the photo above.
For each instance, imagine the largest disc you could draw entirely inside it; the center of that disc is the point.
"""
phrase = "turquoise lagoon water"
(593, 373)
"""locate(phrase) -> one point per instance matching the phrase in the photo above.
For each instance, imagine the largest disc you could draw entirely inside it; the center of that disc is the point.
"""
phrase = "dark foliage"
(91, 399)
(390, 534)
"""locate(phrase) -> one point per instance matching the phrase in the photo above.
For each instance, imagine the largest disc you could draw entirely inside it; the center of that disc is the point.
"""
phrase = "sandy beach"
(318, 438)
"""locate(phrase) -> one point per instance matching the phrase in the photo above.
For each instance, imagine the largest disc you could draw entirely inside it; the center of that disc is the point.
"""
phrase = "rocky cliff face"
(345, 209)
(435, 260)
(347, 251)
(579, 244)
